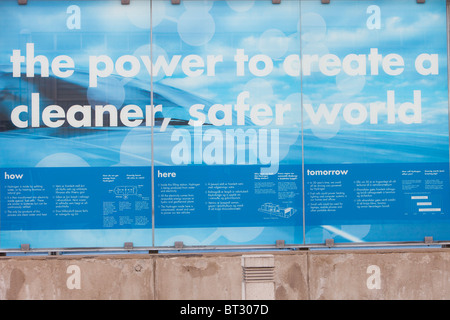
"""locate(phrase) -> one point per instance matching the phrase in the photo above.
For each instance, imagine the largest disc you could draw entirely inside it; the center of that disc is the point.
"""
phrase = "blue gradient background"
(220, 28)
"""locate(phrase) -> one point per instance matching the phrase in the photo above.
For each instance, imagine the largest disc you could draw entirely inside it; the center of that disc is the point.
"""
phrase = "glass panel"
(228, 135)
(75, 142)
(235, 87)
(375, 100)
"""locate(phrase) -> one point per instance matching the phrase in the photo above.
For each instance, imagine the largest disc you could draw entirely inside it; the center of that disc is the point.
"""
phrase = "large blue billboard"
(222, 122)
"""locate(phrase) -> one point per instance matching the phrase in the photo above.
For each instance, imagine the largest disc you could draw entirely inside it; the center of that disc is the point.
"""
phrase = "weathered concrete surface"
(291, 276)
(414, 274)
(198, 277)
(75, 277)
(297, 275)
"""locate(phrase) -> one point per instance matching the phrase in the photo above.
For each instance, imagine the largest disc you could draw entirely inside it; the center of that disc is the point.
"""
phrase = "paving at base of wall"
(279, 275)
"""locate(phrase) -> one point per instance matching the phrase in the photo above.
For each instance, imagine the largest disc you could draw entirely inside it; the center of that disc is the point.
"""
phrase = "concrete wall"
(282, 275)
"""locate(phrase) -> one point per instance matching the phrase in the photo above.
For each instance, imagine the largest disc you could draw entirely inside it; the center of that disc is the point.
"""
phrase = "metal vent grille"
(258, 274)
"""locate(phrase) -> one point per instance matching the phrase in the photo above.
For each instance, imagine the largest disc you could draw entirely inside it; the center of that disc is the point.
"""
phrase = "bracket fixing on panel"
(125, 1)
(329, 242)
(276, 1)
(420, 1)
(128, 245)
(428, 240)
(25, 247)
(175, 1)
(22, 2)
(325, 1)
(279, 244)
(179, 244)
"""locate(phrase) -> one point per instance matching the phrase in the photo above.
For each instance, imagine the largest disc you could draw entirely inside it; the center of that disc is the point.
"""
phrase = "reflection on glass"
(228, 151)
(374, 95)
